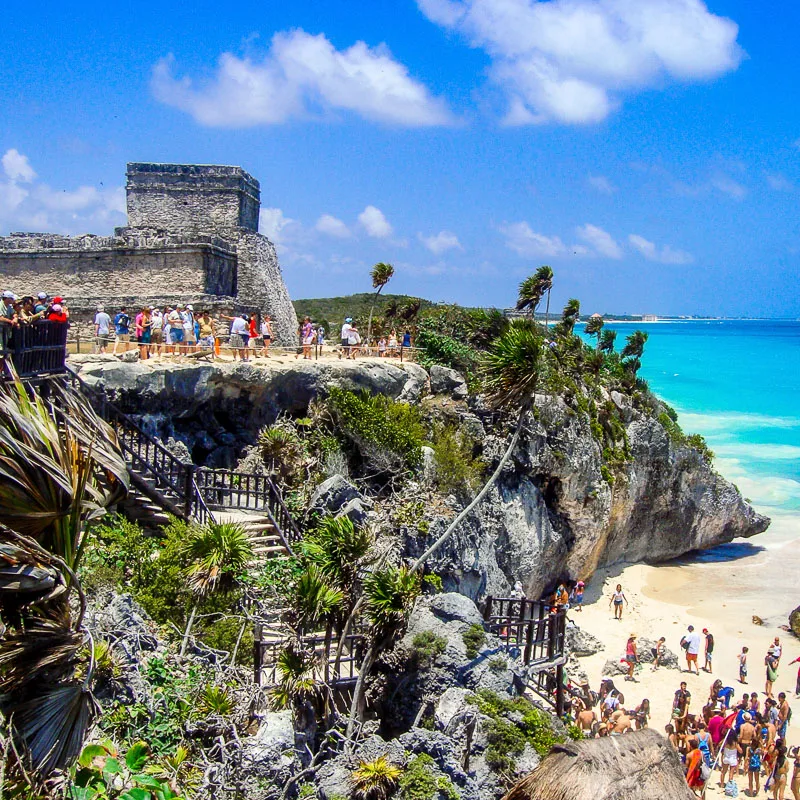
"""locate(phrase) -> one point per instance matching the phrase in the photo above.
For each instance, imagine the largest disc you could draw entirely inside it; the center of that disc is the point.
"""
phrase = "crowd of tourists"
(722, 739)
(17, 311)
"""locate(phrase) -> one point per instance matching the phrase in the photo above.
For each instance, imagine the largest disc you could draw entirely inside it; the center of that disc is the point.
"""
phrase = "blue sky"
(648, 150)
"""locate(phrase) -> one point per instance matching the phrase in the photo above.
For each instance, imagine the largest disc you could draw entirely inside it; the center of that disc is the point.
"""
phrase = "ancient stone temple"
(192, 237)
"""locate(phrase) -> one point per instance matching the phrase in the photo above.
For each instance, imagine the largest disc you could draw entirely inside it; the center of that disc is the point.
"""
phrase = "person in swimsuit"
(694, 762)
(796, 774)
(617, 600)
(730, 759)
(631, 657)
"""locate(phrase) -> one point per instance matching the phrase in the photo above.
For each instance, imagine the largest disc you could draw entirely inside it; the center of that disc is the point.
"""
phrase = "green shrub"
(474, 638)
(608, 475)
(412, 515)
(698, 442)
(514, 722)
(456, 469)
(427, 646)
(498, 664)
(419, 781)
(388, 435)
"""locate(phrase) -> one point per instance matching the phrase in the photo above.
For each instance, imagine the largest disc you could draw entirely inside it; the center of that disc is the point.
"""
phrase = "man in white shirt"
(156, 329)
(692, 641)
(345, 341)
(102, 329)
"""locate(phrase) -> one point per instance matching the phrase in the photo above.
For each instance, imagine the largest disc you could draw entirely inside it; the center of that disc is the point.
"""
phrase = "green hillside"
(332, 311)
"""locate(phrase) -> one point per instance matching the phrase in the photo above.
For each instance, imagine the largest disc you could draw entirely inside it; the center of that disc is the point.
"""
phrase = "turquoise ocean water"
(738, 384)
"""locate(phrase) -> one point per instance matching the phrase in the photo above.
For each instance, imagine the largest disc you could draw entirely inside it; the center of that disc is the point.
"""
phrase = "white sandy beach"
(722, 596)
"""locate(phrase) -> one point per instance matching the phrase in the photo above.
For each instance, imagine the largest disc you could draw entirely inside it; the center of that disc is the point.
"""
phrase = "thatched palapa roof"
(635, 766)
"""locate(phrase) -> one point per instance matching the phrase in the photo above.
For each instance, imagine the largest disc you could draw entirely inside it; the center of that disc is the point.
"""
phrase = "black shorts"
(345, 343)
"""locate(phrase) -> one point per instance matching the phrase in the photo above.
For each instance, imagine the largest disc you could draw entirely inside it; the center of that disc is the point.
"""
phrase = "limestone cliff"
(553, 513)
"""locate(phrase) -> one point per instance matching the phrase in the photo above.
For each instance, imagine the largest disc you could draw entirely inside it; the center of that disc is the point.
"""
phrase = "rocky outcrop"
(553, 514)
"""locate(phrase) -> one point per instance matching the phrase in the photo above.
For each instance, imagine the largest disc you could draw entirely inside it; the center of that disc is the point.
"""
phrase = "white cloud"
(663, 255)
(375, 223)
(780, 183)
(601, 184)
(17, 167)
(27, 204)
(442, 241)
(301, 76)
(331, 226)
(601, 241)
(272, 222)
(524, 241)
(728, 186)
(571, 61)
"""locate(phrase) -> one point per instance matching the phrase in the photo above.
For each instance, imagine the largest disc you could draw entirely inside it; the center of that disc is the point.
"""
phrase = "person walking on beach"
(631, 657)
(617, 599)
(658, 653)
(731, 751)
(784, 714)
(743, 667)
(577, 603)
(680, 708)
(747, 737)
(771, 663)
(708, 651)
(691, 642)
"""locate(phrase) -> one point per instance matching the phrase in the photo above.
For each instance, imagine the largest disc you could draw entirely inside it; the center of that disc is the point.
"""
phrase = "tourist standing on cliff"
(617, 600)
(156, 330)
(102, 329)
(691, 643)
(239, 336)
(206, 333)
(709, 650)
(189, 337)
(307, 335)
(345, 340)
(266, 335)
(122, 327)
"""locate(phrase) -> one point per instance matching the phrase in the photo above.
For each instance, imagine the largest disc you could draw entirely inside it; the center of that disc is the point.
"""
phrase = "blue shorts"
(176, 335)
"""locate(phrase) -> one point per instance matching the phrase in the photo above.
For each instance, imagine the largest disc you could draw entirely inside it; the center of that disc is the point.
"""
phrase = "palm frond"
(513, 365)
(218, 553)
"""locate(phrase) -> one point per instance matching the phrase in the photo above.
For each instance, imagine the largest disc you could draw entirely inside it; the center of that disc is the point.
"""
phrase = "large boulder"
(794, 621)
(581, 643)
(447, 381)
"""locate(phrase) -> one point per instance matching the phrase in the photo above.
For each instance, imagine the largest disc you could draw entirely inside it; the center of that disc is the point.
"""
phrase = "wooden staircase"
(163, 486)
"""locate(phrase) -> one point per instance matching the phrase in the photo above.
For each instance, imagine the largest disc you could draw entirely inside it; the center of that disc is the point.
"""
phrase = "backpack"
(731, 789)
(684, 643)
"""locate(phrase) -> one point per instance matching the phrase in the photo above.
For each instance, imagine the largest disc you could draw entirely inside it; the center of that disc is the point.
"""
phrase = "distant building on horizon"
(649, 318)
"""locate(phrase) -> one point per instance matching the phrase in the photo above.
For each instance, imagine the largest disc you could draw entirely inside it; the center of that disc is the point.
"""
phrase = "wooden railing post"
(560, 690)
(257, 655)
(188, 490)
(487, 610)
(526, 657)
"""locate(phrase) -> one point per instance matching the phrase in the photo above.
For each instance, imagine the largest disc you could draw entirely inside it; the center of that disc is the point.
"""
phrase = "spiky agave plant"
(297, 682)
(60, 468)
(376, 779)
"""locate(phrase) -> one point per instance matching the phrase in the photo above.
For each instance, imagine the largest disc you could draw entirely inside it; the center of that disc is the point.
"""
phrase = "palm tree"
(530, 295)
(533, 288)
(594, 326)
(634, 345)
(218, 554)
(545, 277)
(391, 310)
(389, 595)
(381, 274)
(569, 316)
(512, 369)
(594, 362)
(607, 339)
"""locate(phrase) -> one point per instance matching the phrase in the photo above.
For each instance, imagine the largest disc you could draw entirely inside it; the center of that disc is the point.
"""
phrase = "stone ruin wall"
(192, 238)
(179, 197)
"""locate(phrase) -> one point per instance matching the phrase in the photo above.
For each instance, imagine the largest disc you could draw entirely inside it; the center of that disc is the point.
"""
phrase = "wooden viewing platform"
(531, 630)
(36, 349)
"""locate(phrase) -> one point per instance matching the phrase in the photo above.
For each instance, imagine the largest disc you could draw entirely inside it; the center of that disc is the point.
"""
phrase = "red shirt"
(57, 316)
(253, 329)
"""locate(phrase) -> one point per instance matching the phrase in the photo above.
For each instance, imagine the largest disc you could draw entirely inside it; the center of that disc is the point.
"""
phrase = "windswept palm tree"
(391, 310)
(512, 369)
(634, 345)
(381, 274)
(570, 316)
(410, 311)
(218, 554)
(607, 340)
(545, 277)
(594, 327)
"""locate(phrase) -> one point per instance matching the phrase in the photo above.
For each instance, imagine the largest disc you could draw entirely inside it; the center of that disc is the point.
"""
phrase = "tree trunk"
(488, 485)
(357, 706)
(185, 642)
(547, 312)
(369, 324)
